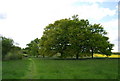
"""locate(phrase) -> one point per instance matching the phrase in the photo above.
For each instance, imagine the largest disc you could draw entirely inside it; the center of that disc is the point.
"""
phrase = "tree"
(33, 47)
(55, 39)
(78, 36)
(7, 45)
(106, 48)
(9, 50)
(96, 39)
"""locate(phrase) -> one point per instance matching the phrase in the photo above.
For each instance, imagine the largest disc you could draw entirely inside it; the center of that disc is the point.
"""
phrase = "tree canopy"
(74, 38)
(9, 50)
(7, 45)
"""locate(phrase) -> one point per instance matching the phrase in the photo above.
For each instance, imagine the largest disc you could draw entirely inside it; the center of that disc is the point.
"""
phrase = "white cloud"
(94, 11)
(112, 28)
(26, 19)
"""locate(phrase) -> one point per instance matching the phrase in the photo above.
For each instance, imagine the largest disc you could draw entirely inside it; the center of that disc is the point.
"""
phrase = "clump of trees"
(33, 48)
(9, 50)
(72, 38)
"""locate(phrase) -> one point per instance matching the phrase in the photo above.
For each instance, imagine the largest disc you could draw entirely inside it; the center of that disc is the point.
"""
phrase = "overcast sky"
(25, 20)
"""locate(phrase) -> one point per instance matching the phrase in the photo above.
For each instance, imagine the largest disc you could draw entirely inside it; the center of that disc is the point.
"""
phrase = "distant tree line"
(71, 37)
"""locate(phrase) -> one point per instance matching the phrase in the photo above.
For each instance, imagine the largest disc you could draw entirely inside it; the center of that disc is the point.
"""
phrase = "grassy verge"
(14, 69)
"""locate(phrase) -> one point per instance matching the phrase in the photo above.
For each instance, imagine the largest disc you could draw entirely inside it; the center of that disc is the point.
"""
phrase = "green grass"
(61, 69)
(77, 69)
(14, 69)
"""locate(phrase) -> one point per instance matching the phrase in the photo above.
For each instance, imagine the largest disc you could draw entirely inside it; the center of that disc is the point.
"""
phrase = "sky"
(25, 20)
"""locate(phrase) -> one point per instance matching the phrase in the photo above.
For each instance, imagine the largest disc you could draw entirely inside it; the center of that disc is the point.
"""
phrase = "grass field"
(14, 69)
(35, 68)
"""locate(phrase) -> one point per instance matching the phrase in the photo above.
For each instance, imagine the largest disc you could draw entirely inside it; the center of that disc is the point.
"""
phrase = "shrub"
(13, 56)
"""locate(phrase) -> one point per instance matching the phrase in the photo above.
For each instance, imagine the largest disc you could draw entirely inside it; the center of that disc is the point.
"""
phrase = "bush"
(13, 56)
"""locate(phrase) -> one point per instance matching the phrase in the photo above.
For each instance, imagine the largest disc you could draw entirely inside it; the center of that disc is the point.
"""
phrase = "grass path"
(32, 72)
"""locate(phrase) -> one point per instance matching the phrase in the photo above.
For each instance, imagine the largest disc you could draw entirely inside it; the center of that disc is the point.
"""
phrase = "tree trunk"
(61, 55)
(107, 56)
(92, 52)
(61, 52)
(77, 56)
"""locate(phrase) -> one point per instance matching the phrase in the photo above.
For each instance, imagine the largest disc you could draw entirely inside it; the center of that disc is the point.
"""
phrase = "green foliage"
(13, 55)
(74, 37)
(33, 48)
(7, 45)
(9, 50)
